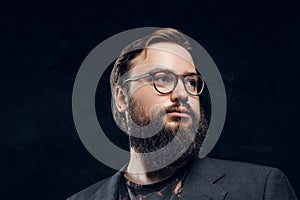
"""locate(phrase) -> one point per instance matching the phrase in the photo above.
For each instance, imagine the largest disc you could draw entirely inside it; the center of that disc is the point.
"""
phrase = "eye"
(191, 81)
(162, 78)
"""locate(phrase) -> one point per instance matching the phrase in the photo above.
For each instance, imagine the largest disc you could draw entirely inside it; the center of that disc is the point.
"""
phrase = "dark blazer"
(212, 179)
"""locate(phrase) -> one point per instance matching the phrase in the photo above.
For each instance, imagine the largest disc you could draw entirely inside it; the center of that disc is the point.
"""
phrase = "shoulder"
(104, 189)
(246, 168)
(233, 168)
(243, 179)
(247, 172)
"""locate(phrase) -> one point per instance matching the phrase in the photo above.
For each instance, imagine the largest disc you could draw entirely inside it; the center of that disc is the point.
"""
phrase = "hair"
(123, 63)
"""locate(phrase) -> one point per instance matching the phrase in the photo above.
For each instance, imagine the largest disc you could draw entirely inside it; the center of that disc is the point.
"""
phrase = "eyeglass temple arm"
(136, 78)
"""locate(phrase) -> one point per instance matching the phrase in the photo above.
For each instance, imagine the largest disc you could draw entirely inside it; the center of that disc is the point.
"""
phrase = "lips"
(179, 112)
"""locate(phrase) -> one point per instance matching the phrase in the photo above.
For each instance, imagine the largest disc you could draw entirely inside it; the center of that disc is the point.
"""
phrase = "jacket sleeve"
(277, 187)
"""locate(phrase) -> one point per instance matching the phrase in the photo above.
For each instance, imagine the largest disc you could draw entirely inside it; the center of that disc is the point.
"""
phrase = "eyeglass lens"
(166, 82)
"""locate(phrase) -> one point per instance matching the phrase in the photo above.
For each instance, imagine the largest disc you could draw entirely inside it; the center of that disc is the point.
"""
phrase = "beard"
(149, 132)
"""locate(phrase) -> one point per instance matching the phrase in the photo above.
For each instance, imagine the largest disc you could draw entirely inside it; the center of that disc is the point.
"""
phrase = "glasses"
(165, 82)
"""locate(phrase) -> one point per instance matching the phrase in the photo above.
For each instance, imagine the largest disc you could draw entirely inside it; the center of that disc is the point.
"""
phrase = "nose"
(179, 93)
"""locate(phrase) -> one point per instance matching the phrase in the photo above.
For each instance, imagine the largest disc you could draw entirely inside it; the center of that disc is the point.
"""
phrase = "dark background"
(254, 44)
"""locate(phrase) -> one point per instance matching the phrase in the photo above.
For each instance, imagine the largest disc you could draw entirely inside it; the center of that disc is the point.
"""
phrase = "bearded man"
(157, 101)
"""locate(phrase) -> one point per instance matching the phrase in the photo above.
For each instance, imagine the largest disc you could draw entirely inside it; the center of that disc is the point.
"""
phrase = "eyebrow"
(168, 70)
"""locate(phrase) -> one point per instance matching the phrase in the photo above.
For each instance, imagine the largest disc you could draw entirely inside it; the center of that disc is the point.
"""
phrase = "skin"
(171, 57)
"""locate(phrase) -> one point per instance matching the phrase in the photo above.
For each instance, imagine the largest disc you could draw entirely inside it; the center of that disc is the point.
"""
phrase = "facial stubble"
(189, 136)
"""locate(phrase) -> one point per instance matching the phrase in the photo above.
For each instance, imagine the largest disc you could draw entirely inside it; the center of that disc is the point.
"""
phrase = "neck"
(137, 171)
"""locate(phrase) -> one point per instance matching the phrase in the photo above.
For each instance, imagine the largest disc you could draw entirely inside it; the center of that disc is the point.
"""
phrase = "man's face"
(182, 106)
(165, 114)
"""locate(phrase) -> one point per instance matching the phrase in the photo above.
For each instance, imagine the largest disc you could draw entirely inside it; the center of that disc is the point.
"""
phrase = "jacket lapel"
(109, 190)
(200, 181)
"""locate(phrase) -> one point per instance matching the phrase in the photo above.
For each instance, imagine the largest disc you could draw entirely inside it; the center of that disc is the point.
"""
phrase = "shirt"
(157, 191)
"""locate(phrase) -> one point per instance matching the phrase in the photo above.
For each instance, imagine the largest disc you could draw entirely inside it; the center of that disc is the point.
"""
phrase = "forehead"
(166, 55)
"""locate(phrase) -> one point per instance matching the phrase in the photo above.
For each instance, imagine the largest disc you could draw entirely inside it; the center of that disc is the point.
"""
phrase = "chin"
(177, 123)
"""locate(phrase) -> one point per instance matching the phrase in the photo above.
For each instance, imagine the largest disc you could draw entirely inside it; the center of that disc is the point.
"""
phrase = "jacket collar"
(110, 189)
(199, 183)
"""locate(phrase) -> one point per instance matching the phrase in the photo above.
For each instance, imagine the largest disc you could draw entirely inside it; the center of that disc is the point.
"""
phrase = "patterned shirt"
(166, 189)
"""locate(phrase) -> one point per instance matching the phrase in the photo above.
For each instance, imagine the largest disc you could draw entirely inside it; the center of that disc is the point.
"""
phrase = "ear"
(120, 99)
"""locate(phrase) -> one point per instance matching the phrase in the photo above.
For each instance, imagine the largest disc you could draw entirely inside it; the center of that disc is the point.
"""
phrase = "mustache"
(175, 108)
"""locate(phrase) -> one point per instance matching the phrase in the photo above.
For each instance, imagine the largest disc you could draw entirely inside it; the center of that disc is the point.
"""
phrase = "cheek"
(147, 98)
(195, 105)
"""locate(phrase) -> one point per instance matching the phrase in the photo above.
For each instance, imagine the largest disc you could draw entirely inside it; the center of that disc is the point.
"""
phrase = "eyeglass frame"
(182, 77)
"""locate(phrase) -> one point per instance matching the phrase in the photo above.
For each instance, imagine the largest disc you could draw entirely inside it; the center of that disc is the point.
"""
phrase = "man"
(156, 90)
